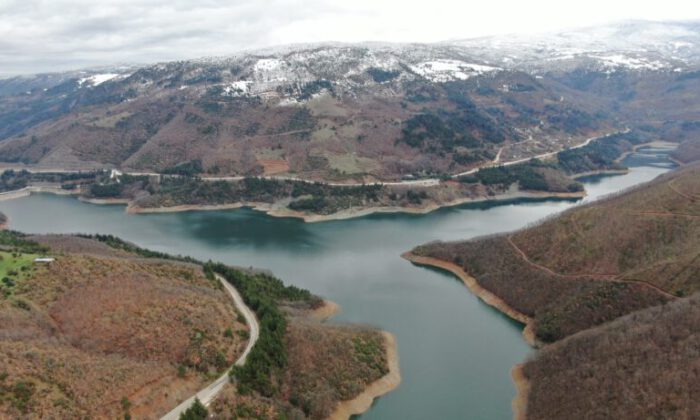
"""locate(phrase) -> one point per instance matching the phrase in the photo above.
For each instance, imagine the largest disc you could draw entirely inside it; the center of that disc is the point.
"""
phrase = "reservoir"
(455, 352)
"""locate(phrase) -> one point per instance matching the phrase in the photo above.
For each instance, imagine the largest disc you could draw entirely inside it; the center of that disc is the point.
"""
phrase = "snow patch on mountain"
(448, 70)
(97, 79)
(238, 88)
(615, 61)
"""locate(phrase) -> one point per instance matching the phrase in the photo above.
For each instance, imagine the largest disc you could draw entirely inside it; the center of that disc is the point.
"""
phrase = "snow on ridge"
(268, 64)
(97, 79)
(619, 60)
(238, 88)
(447, 70)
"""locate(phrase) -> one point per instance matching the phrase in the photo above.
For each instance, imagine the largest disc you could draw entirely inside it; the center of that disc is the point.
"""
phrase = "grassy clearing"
(14, 268)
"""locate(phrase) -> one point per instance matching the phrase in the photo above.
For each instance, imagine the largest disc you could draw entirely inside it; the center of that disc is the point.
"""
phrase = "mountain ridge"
(347, 111)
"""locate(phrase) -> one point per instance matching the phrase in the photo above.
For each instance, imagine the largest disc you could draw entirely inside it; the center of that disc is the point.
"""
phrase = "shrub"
(196, 412)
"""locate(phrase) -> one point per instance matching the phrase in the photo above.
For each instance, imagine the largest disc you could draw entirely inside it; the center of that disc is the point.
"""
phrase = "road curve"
(207, 394)
(427, 182)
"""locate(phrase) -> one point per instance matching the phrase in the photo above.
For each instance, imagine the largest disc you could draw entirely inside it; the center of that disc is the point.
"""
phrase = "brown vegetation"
(97, 334)
(688, 151)
(606, 282)
(327, 364)
(150, 121)
(593, 263)
(643, 365)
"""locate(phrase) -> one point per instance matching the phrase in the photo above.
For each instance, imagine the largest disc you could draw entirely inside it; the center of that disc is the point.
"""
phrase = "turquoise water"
(455, 352)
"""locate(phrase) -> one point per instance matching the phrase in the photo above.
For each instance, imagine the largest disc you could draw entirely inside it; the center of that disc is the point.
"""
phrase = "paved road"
(417, 182)
(207, 394)
(542, 156)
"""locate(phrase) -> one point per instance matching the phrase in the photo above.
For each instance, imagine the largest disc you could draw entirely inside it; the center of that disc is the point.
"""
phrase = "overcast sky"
(52, 35)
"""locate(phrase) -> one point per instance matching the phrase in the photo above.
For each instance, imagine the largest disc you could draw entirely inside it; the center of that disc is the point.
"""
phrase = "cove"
(455, 352)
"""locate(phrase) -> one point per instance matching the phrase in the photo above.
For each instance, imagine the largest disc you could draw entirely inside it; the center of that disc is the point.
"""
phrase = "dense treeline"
(191, 168)
(529, 176)
(262, 293)
(118, 243)
(321, 198)
(197, 411)
(381, 75)
(111, 190)
(11, 180)
(443, 131)
(600, 154)
(18, 242)
(106, 187)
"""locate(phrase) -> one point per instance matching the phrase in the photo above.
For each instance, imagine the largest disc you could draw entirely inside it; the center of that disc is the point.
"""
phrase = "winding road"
(427, 182)
(208, 394)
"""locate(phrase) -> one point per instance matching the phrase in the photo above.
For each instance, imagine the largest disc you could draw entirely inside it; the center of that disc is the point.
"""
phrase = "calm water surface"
(456, 352)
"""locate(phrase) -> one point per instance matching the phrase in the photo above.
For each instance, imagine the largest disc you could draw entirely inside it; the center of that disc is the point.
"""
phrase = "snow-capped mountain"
(632, 45)
(376, 109)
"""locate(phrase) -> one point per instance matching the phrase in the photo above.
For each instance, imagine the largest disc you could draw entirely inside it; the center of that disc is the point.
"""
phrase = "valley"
(357, 264)
(363, 113)
(495, 227)
(549, 175)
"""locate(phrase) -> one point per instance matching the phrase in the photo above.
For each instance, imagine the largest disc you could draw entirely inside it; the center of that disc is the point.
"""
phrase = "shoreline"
(654, 143)
(28, 190)
(382, 386)
(522, 385)
(522, 391)
(325, 312)
(104, 201)
(601, 172)
(351, 213)
(485, 295)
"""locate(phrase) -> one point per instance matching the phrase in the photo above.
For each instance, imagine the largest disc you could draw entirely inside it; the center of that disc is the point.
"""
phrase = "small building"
(44, 260)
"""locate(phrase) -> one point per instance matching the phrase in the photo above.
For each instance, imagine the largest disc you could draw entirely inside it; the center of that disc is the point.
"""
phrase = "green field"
(15, 267)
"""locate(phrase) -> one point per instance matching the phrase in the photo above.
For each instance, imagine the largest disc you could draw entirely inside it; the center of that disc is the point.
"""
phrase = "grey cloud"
(54, 35)
(39, 36)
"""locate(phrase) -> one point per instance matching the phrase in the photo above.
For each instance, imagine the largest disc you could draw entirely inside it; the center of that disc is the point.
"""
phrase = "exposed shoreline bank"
(328, 310)
(601, 172)
(282, 212)
(26, 191)
(522, 385)
(485, 295)
(382, 386)
(522, 391)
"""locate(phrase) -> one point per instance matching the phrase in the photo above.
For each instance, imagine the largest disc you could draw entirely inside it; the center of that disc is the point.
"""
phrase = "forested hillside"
(595, 262)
